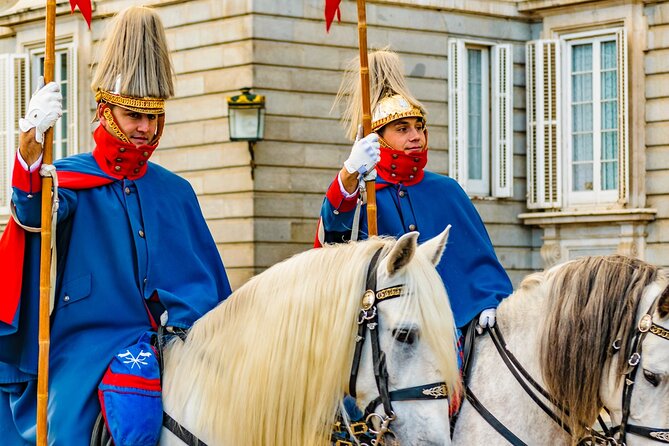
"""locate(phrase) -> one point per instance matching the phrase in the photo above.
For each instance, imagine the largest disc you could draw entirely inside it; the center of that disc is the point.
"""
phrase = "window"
(589, 92)
(65, 131)
(478, 128)
(480, 117)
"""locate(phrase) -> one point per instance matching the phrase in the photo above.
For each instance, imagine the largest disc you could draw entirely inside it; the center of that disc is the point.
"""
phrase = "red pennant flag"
(331, 8)
(85, 8)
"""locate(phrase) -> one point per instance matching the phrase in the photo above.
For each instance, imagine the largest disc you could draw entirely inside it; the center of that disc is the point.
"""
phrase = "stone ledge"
(495, 8)
(537, 5)
(594, 216)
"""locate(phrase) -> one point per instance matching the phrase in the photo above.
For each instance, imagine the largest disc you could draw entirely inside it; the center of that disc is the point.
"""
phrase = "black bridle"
(368, 322)
(615, 436)
(645, 326)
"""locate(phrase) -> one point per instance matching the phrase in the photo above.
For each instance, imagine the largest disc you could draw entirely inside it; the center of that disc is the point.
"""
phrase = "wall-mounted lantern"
(246, 116)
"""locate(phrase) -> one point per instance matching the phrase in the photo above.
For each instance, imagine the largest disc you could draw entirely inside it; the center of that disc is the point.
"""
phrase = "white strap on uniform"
(49, 170)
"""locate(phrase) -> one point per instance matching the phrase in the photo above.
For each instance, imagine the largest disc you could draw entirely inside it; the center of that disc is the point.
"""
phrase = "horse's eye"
(405, 335)
(651, 377)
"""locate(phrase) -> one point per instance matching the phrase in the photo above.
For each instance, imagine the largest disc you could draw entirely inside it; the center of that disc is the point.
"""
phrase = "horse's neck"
(520, 319)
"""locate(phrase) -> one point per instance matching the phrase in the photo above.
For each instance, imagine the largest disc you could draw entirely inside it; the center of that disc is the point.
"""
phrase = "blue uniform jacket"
(118, 244)
(474, 278)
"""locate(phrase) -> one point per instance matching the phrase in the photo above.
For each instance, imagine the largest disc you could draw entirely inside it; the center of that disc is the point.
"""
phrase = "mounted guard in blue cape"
(133, 247)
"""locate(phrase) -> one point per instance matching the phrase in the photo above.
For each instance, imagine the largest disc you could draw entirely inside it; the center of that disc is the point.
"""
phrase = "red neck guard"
(399, 167)
(120, 159)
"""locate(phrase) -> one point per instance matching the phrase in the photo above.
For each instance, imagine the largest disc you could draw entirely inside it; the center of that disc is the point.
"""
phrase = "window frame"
(597, 196)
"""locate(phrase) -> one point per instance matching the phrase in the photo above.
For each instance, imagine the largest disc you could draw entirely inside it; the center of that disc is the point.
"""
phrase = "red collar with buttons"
(398, 167)
(120, 159)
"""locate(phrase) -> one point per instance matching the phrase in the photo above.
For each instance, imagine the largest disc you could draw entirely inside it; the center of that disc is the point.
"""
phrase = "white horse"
(562, 325)
(270, 365)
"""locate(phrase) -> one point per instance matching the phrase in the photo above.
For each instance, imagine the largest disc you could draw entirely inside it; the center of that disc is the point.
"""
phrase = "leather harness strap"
(181, 432)
(492, 421)
(523, 378)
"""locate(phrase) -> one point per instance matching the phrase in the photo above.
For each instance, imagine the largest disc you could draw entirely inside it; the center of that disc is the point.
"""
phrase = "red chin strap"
(399, 167)
(120, 159)
(396, 166)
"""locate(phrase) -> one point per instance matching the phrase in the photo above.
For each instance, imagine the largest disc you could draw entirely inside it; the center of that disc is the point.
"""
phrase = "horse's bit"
(368, 322)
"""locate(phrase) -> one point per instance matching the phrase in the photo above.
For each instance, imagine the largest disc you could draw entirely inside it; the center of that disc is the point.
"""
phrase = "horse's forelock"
(592, 301)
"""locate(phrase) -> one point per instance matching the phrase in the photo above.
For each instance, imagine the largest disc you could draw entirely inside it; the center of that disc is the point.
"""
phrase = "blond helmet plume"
(135, 62)
(386, 77)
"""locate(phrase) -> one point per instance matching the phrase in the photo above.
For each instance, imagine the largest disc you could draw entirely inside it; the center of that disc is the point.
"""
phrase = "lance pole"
(366, 111)
(45, 251)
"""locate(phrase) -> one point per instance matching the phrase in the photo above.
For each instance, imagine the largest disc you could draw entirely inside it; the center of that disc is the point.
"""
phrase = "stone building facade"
(551, 113)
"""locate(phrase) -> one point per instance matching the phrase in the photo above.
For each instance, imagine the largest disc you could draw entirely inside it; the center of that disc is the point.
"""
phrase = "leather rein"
(615, 436)
(368, 323)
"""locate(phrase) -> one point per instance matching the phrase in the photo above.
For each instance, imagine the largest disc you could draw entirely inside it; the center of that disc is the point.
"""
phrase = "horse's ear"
(434, 248)
(402, 252)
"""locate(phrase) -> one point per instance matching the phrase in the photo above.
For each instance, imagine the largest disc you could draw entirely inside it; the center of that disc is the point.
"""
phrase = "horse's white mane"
(270, 365)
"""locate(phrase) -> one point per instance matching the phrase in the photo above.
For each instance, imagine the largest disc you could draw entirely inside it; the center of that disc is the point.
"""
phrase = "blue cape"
(470, 270)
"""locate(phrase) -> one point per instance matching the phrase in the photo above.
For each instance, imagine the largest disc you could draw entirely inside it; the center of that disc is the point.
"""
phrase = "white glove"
(44, 109)
(366, 152)
(486, 319)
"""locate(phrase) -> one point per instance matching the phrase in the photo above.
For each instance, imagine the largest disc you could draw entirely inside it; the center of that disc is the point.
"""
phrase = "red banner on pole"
(331, 8)
(85, 8)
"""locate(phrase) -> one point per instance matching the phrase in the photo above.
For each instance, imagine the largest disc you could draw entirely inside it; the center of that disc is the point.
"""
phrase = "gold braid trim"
(148, 106)
(113, 126)
(385, 143)
(387, 293)
(440, 391)
(413, 113)
(659, 331)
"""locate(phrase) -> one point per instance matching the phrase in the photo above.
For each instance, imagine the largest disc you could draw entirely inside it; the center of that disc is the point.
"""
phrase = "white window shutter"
(623, 123)
(544, 176)
(13, 102)
(457, 127)
(72, 115)
(502, 120)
